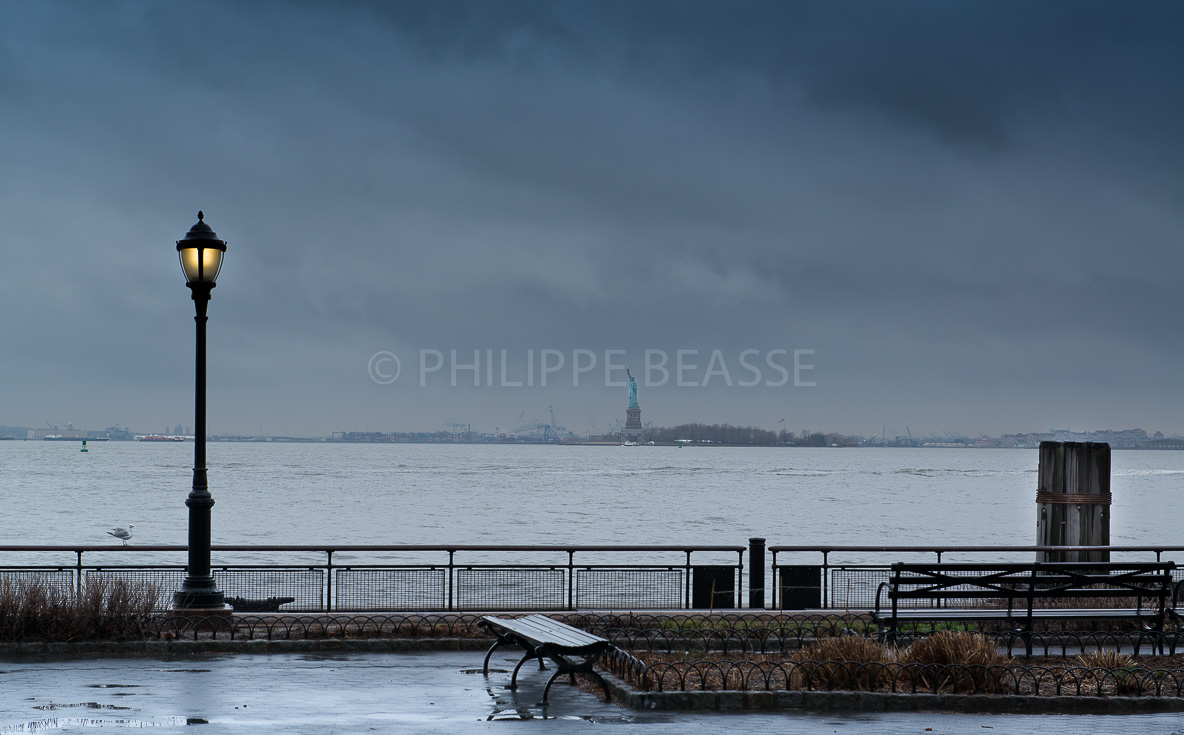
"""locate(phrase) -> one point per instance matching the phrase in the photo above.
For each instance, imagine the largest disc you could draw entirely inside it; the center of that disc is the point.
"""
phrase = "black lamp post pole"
(199, 591)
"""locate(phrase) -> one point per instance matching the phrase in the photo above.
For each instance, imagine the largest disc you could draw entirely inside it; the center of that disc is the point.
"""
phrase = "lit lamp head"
(201, 256)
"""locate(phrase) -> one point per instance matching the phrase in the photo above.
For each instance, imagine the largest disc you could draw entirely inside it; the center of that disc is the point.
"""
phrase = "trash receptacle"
(713, 587)
(801, 586)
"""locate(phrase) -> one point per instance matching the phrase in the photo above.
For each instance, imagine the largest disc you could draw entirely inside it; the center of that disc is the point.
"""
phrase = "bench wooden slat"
(540, 629)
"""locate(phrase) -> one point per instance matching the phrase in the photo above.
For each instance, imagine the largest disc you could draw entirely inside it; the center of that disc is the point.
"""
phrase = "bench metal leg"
(496, 645)
(510, 640)
(584, 667)
(530, 654)
(592, 673)
(502, 640)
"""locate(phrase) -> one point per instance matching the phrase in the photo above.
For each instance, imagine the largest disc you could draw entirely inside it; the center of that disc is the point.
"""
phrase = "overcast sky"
(962, 215)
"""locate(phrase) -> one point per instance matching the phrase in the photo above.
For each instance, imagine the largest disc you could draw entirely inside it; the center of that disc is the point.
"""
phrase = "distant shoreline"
(529, 443)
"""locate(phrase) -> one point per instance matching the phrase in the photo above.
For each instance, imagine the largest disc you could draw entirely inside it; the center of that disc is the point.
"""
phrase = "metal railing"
(461, 577)
(425, 577)
(844, 585)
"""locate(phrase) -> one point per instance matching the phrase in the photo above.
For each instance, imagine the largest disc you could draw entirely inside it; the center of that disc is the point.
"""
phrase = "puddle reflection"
(61, 723)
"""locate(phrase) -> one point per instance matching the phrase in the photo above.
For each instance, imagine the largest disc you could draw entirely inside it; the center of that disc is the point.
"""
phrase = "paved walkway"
(430, 692)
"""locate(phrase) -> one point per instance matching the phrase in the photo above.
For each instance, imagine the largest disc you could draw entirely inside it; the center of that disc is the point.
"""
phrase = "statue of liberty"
(632, 389)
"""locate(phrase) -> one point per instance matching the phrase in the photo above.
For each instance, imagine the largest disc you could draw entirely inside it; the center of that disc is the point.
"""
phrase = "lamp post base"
(189, 601)
(202, 619)
(200, 593)
(202, 604)
(222, 611)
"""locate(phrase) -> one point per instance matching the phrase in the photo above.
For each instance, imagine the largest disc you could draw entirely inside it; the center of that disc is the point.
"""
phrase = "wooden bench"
(542, 638)
(950, 593)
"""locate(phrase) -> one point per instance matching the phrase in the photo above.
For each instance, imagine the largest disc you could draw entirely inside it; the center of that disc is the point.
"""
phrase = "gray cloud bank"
(971, 212)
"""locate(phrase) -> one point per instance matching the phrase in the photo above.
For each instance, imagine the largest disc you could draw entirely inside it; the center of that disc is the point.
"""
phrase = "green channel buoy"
(84, 446)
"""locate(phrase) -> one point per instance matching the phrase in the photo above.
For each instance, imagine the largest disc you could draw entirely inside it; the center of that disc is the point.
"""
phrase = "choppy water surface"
(478, 494)
(386, 494)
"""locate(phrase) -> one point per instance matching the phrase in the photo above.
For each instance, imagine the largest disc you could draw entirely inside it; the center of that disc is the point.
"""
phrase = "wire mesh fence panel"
(510, 589)
(397, 590)
(307, 586)
(630, 589)
(856, 588)
(166, 581)
(61, 580)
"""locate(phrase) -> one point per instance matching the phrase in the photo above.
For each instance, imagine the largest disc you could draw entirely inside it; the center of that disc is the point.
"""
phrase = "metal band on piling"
(1073, 498)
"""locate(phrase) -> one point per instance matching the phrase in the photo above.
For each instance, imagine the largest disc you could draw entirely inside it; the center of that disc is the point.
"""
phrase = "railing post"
(825, 579)
(738, 595)
(688, 600)
(776, 583)
(451, 574)
(78, 582)
(329, 581)
(571, 576)
(756, 573)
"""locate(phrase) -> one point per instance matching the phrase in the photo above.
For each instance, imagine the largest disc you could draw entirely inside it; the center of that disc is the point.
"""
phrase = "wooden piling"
(1073, 498)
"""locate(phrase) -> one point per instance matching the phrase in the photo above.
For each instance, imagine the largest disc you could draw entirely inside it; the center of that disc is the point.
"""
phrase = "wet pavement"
(428, 692)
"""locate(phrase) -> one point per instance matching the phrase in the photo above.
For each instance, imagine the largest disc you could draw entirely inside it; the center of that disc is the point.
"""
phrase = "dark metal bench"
(542, 638)
(946, 593)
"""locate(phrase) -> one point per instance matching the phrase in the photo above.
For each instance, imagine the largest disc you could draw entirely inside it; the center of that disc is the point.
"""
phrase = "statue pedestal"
(633, 430)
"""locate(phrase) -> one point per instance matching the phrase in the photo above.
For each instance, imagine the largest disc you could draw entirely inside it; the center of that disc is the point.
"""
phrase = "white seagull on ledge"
(123, 534)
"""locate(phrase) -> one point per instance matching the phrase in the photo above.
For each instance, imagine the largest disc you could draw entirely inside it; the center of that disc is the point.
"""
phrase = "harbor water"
(334, 494)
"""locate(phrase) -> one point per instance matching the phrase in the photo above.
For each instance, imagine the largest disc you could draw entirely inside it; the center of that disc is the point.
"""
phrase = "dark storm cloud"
(961, 206)
(962, 71)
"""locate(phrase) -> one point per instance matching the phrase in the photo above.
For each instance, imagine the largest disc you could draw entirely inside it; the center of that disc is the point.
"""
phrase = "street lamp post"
(201, 258)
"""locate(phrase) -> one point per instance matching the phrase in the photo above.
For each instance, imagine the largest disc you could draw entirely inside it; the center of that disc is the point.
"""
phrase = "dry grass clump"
(1115, 665)
(950, 647)
(32, 609)
(844, 662)
(958, 659)
(1104, 660)
(949, 660)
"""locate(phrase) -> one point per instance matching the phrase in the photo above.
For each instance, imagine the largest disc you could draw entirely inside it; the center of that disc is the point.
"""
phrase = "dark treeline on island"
(747, 435)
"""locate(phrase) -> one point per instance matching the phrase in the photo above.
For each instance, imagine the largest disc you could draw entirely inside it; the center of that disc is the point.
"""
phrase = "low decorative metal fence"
(689, 652)
(807, 675)
(641, 633)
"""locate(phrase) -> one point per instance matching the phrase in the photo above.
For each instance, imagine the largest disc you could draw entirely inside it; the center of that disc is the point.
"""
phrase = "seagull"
(123, 534)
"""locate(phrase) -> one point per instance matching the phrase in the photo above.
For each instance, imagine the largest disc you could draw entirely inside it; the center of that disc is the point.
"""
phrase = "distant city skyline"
(1121, 438)
(947, 216)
